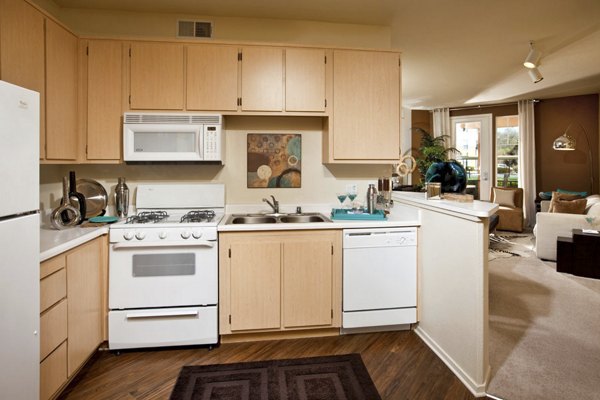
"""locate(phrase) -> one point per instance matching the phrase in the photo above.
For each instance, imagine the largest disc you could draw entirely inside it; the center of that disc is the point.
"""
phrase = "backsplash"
(319, 182)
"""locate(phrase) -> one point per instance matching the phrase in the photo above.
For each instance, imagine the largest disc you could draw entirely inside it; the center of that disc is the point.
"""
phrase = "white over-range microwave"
(172, 137)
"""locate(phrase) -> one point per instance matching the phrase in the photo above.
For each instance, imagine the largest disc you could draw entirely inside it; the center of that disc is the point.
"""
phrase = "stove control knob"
(162, 235)
(197, 234)
(185, 234)
(140, 235)
(128, 235)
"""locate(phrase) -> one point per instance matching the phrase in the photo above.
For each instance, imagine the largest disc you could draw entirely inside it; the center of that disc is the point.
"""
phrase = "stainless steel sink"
(303, 218)
(276, 218)
(251, 219)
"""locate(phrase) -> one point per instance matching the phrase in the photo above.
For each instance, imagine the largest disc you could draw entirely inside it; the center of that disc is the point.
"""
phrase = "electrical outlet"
(351, 188)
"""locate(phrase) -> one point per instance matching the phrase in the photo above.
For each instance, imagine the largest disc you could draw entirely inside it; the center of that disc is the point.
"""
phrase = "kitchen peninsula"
(453, 283)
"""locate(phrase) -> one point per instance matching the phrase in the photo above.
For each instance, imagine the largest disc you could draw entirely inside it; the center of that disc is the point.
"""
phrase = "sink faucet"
(274, 205)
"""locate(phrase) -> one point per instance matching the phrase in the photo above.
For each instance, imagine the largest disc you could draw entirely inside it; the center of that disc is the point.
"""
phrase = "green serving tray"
(343, 214)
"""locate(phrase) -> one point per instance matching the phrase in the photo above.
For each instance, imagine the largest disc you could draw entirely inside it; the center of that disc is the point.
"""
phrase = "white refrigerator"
(19, 243)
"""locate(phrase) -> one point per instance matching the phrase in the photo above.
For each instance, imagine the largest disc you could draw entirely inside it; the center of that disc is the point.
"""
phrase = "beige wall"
(163, 25)
(319, 182)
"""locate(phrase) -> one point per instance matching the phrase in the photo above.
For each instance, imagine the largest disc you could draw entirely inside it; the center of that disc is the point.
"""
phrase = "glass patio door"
(473, 138)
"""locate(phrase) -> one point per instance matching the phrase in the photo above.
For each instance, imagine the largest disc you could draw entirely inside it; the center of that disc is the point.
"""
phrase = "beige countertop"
(53, 241)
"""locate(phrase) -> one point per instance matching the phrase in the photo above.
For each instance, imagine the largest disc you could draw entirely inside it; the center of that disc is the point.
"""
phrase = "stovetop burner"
(146, 217)
(198, 216)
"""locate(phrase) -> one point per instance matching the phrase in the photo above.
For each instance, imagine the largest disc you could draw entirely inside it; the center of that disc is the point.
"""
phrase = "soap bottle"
(371, 198)
(122, 198)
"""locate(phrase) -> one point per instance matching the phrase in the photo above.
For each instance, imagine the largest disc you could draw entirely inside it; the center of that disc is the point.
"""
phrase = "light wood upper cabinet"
(156, 76)
(61, 93)
(308, 281)
(103, 82)
(212, 77)
(84, 302)
(305, 80)
(22, 51)
(262, 79)
(366, 107)
(271, 282)
(255, 285)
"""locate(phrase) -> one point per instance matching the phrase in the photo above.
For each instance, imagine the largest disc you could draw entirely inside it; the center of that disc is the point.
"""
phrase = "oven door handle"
(137, 245)
(164, 314)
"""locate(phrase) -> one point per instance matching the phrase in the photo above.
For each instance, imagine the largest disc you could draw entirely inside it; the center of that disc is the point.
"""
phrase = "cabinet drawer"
(52, 289)
(162, 327)
(53, 328)
(52, 265)
(53, 372)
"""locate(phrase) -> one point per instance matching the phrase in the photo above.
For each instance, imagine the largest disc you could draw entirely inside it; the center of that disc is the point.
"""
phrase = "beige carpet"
(544, 327)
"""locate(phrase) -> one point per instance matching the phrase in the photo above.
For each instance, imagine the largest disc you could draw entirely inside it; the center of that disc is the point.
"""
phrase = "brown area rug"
(315, 378)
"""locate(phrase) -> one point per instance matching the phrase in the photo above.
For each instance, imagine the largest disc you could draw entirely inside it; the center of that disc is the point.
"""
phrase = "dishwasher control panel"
(379, 237)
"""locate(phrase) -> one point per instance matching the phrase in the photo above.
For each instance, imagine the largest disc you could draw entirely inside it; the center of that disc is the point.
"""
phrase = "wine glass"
(352, 196)
(342, 197)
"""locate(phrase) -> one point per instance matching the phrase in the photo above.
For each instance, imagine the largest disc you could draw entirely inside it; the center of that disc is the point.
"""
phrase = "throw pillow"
(594, 211)
(569, 206)
(560, 196)
(591, 200)
(504, 197)
(580, 194)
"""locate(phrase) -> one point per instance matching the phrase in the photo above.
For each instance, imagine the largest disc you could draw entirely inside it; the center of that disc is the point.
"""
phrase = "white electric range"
(163, 268)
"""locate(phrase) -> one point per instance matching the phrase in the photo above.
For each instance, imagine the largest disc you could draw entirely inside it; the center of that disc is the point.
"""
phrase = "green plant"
(432, 149)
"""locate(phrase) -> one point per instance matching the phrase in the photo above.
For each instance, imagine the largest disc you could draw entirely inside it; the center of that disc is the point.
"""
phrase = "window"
(507, 151)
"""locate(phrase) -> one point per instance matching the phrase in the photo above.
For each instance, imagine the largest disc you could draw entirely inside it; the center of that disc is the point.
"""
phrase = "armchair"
(510, 215)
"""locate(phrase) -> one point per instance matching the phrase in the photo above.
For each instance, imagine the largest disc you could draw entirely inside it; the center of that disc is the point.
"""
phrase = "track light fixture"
(533, 57)
(535, 75)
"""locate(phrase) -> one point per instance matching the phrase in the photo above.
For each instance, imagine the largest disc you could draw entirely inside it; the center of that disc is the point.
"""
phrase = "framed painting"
(274, 160)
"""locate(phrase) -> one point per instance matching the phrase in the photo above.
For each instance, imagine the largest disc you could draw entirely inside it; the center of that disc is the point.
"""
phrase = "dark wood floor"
(400, 364)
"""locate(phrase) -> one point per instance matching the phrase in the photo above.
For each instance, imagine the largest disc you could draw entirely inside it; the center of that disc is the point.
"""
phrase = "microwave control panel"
(212, 142)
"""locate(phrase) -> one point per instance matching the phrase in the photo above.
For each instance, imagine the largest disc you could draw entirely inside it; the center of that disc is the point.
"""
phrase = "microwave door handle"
(198, 243)
(200, 138)
(164, 314)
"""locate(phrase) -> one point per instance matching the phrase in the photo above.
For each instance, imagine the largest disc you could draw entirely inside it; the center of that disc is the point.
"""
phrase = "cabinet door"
(156, 76)
(212, 78)
(262, 79)
(255, 285)
(104, 94)
(366, 105)
(307, 282)
(84, 303)
(61, 93)
(22, 51)
(304, 80)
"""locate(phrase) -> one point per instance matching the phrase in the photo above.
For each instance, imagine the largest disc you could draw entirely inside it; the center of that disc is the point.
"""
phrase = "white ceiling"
(454, 52)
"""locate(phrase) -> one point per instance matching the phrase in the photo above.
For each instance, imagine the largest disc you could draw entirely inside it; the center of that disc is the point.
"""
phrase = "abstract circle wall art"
(274, 160)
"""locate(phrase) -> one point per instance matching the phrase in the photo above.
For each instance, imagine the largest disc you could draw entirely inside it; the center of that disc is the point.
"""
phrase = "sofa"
(550, 225)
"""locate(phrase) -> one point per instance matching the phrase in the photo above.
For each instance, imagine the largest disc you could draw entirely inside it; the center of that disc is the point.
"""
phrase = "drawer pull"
(167, 314)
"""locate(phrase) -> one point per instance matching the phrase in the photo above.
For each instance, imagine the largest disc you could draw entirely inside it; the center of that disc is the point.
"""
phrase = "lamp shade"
(535, 75)
(564, 143)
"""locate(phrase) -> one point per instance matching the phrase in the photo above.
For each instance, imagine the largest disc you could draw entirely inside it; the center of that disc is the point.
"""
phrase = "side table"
(579, 255)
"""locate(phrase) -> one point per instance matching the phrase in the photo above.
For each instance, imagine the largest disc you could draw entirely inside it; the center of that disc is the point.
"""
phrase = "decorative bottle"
(371, 198)
(122, 198)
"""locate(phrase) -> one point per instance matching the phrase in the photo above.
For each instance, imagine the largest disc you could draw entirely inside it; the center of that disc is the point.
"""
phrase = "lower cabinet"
(71, 313)
(279, 281)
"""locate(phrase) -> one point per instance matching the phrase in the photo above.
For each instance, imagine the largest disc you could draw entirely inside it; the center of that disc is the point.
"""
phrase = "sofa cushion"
(594, 210)
(569, 206)
(504, 197)
(561, 196)
(591, 200)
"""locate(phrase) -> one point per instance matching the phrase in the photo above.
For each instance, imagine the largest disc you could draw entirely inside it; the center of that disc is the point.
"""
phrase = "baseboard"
(478, 390)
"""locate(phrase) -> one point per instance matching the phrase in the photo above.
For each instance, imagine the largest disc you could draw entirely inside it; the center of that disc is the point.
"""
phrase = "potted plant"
(431, 150)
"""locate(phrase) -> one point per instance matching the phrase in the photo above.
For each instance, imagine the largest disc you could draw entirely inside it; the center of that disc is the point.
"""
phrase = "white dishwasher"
(379, 277)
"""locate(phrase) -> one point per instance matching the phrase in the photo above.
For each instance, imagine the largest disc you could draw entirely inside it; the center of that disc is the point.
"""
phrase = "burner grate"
(147, 217)
(198, 216)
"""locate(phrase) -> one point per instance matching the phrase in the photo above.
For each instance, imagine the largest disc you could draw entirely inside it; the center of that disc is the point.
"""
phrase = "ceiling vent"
(194, 29)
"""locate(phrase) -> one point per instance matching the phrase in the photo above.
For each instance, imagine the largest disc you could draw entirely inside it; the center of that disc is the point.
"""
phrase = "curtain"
(527, 159)
(442, 126)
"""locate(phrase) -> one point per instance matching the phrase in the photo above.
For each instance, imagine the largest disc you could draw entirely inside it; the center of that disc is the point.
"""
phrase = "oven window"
(164, 264)
(164, 142)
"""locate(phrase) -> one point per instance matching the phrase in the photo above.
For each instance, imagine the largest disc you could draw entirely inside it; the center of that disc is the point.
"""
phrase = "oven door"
(144, 275)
